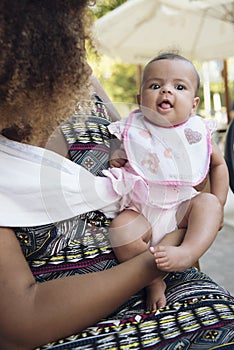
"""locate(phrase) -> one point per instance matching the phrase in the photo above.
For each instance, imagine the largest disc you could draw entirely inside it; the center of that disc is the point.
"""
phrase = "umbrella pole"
(206, 90)
(226, 89)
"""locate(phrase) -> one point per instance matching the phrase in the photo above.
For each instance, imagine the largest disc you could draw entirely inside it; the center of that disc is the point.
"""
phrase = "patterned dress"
(199, 313)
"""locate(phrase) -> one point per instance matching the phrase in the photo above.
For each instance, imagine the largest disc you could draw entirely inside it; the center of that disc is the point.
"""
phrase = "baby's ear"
(196, 101)
(138, 99)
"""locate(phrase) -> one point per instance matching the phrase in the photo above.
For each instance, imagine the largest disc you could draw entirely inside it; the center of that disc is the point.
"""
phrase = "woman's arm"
(114, 114)
(33, 314)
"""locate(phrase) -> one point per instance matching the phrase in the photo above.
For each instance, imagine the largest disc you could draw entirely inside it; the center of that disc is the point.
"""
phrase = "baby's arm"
(118, 155)
(219, 178)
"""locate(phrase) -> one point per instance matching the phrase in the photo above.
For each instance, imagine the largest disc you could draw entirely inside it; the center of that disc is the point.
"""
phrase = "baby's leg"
(130, 234)
(129, 229)
(156, 294)
(202, 219)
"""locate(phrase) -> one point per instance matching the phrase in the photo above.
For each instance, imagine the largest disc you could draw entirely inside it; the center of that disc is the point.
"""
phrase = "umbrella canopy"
(137, 30)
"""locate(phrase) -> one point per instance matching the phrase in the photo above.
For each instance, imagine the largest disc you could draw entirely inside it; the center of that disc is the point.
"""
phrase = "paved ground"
(218, 262)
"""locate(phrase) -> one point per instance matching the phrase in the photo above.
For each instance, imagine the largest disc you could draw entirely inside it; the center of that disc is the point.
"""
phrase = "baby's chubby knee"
(208, 198)
(129, 226)
(209, 202)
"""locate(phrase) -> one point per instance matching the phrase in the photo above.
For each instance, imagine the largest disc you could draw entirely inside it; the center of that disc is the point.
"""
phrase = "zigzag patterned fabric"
(199, 313)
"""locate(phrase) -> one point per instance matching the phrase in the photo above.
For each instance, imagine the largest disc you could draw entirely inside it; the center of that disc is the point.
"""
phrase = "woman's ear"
(138, 99)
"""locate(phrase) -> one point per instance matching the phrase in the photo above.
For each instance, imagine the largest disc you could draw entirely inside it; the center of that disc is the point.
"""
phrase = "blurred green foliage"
(119, 80)
(105, 6)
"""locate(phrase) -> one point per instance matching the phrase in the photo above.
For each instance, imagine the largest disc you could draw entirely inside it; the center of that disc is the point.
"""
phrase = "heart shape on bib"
(192, 136)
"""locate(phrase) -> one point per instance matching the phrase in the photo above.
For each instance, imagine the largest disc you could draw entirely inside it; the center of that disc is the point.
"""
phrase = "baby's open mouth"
(165, 104)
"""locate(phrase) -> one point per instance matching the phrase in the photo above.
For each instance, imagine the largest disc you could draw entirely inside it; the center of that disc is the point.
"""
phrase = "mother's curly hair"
(42, 62)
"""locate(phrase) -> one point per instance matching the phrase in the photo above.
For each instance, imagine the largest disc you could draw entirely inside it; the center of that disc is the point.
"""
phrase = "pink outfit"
(164, 163)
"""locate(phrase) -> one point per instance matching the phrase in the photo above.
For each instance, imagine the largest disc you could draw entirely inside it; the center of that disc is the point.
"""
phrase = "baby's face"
(168, 90)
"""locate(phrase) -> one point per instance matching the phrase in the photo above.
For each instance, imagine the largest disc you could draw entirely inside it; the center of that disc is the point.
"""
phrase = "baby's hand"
(117, 163)
(118, 159)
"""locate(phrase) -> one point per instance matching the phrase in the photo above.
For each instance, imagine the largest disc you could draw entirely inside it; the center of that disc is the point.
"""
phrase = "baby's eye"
(154, 86)
(180, 87)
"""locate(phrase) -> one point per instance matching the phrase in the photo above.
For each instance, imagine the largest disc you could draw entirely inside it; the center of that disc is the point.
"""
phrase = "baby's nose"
(166, 89)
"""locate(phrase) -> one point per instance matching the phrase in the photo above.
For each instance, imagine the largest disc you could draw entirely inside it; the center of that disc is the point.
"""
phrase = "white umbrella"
(138, 29)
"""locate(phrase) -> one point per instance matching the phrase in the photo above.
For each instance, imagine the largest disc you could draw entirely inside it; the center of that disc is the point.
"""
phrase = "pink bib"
(177, 155)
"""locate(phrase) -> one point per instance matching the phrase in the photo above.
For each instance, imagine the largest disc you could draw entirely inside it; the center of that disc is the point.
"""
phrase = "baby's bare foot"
(170, 258)
(156, 295)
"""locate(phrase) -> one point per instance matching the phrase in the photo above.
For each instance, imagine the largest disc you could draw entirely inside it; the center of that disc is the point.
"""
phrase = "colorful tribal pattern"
(198, 320)
(199, 314)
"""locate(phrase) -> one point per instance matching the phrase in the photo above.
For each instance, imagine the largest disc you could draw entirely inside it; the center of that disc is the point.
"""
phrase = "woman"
(46, 290)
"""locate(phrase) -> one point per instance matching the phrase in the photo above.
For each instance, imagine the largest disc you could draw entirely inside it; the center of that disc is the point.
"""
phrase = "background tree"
(118, 79)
